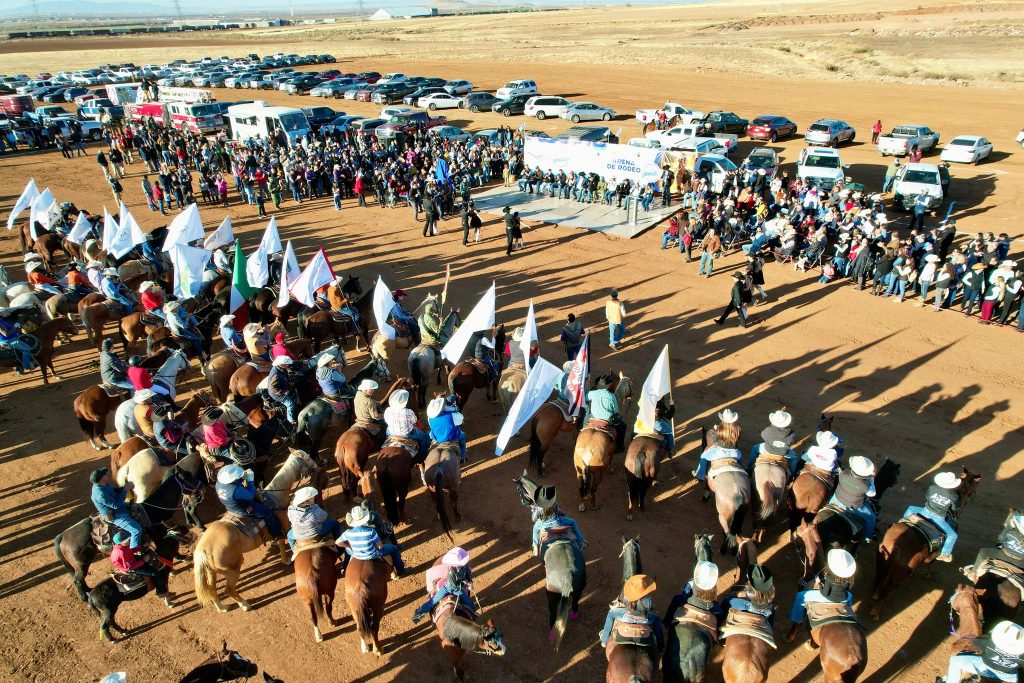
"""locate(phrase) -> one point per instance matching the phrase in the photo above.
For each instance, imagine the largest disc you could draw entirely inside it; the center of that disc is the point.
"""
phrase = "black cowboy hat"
(210, 415)
(760, 578)
(98, 474)
(544, 496)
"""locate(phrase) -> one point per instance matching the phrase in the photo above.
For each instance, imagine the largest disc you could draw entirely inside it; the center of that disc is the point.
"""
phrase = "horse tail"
(388, 492)
(641, 465)
(587, 480)
(306, 584)
(451, 383)
(769, 501)
(362, 615)
(686, 660)
(415, 371)
(88, 427)
(51, 306)
(300, 324)
(536, 448)
(442, 512)
(562, 610)
(206, 578)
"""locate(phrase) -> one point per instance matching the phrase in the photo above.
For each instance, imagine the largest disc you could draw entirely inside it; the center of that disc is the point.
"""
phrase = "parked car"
(488, 135)
(966, 149)
(450, 133)
(430, 82)
(587, 111)
(439, 100)
(723, 122)
(516, 104)
(904, 139)
(770, 127)
(388, 112)
(411, 121)
(318, 116)
(513, 88)
(71, 93)
(820, 165)
(370, 77)
(672, 111)
(368, 125)
(56, 95)
(340, 124)
(590, 134)
(716, 168)
(478, 101)
(458, 87)
(366, 93)
(543, 106)
(829, 132)
(761, 159)
(414, 97)
(391, 78)
(912, 179)
(391, 93)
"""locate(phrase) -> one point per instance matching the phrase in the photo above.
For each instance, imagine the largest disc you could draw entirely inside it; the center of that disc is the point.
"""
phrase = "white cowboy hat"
(457, 419)
(110, 271)
(1008, 264)
(517, 334)
(822, 458)
(399, 399)
(456, 557)
(281, 361)
(489, 343)
(932, 258)
(358, 516)
(826, 439)
(567, 366)
(304, 494)
(230, 473)
(116, 677)
(1008, 637)
(947, 480)
(32, 256)
(841, 563)
(780, 419)
(861, 466)
(368, 385)
(705, 575)
(34, 266)
(146, 285)
(225, 319)
(144, 395)
(728, 416)
(435, 407)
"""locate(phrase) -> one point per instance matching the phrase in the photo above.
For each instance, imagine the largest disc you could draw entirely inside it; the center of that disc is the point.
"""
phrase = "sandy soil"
(927, 390)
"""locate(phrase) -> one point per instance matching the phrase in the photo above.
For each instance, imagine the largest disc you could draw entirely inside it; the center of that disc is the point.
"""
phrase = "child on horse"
(636, 588)
(856, 485)
(548, 516)
(941, 504)
(308, 520)
(452, 576)
(362, 542)
(833, 585)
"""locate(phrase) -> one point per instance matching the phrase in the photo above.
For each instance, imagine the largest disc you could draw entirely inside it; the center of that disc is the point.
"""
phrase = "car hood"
(818, 172)
(908, 189)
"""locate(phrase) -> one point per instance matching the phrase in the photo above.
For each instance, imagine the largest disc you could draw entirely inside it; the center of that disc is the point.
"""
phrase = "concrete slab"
(597, 217)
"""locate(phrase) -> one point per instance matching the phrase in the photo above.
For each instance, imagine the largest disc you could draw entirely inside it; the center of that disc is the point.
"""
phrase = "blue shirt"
(109, 500)
(331, 381)
(603, 405)
(443, 428)
(236, 497)
(232, 337)
(557, 520)
(363, 541)
(111, 289)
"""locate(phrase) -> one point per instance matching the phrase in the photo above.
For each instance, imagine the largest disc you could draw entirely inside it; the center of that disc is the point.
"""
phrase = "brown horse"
(218, 372)
(730, 484)
(47, 247)
(965, 619)
(323, 325)
(316, 578)
(642, 458)
(771, 477)
(468, 375)
(189, 414)
(366, 592)
(246, 378)
(544, 427)
(47, 335)
(745, 658)
(811, 488)
(461, 635)
(441, 473)
(96, 315)
(133, 330)
(904, 548)
(356, 444)
(92, 407)
(591, 458)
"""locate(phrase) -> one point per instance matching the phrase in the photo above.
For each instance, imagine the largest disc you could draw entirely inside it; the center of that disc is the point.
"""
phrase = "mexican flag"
(240, 290)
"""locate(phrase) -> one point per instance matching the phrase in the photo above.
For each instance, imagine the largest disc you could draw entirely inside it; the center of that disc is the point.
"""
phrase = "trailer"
(258, 119)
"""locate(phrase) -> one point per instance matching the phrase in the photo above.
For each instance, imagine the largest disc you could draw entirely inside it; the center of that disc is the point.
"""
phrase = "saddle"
(339, 407)
(451, 604)
(151, 320)
(821, 613)
(701, 618)
(409, 445)
(258, 365)
(372, 429)
(627, 633)
(831, 510)
(738, 622)
(130, 582)
(772, 459)
(114, 391)
(480, 366)
(250, 526)
(601, 426)
(826, 477)
(994, 565)
(932, 534)
(304, 544)
(555, 533)
(562, 406)
(101, 533)
(724, 465)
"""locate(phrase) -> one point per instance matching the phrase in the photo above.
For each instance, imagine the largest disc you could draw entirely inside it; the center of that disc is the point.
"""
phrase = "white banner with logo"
(638, 164)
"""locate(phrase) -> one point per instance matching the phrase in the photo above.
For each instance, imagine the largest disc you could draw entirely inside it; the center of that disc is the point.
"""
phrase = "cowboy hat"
(32, 256)
(98, 474)
(841, 563)
(947, 480)
(456, 557)
(638, 587)
(567, 366)
(325, 360)
(826, 439)
(358, 516)
(399, 399)
(861, 466)
(545, 497)
(705, 575)
(34, 266)
(304, 494)
(760, 578)
(110, 271)
(225, 319)
(398, 293)
(822, 458)
(780, 419)
(728, 416)
(739, 276)
(489, 343)
(367, 385)
(1008, 264)
(211, 415)
(1008, 637)
(932, 258)
(121, 537)
(282, 361)
(230, 474)
(435, 407)
(144, 395)
(517, 334)
(978, 267)
(146, 285)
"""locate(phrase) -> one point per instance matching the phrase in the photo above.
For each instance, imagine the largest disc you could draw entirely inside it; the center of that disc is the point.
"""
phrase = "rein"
(952, 625)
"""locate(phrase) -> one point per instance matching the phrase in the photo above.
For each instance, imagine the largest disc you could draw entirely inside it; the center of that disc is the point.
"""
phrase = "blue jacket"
(443, 428)
(112, 368)
(109, 500)
(331, 381)
(236, 497)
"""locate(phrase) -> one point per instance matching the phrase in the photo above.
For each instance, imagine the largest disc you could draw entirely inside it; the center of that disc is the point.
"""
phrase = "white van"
(260, 119)
(820, 165)
(516, 88)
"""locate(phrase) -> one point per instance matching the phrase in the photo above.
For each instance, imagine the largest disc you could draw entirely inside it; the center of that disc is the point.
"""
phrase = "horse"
(166, 375)
(461, 635)
(544, 427)
(630, 663)
(106, 597)
(95, 315)
(46, 335)
(225, 665)
(356, 444)
(246, 378)
(317, 325)
(904, 547)
(263, 307)
(811, 488)
(316, 578)
(689, 642)
(366, 593)
(468, 375)
(47, 246)
(91, 408)
(392, 471)
(771, 477)
(642, 459)
(730, 485)
(592, 454)
(966, 619)
(746, 657)
(66, 305)
(133, 330)
(441, 473)
(509, 385)
(425, 359)
(565, 577)
(833, 525)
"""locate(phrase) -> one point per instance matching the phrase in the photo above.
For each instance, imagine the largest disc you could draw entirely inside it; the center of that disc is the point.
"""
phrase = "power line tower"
(177, 8)
(35, 6)
(359, 5)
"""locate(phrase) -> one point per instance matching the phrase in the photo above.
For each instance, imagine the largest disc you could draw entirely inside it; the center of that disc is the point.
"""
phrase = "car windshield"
(818, 161)
(822, 127)
(205, 110)
(760, 161)
(904, 132)
(293, 122)
(923, 177)
(762, 122)
(962, 142)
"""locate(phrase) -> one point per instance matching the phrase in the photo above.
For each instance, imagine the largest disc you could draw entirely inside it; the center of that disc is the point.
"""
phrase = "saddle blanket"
(113, 391)
(821, 613)
(1007, 570)
(563, 407)
(409, 445)
(250, 526)
(258, 366)
(826, 477)
(749, 624)
(600, 426)
(129, 582)
(701, 618)
(448, 604)
(772, 459)
(480, 366)
(627, 633)
(927, 528)
(722, 466)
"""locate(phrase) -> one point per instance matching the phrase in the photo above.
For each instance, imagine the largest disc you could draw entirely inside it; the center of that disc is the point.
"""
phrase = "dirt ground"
(928, 390)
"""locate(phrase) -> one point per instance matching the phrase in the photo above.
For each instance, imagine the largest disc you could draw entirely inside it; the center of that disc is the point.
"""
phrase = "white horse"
(124, 421)
(166, 377)
(145, 473)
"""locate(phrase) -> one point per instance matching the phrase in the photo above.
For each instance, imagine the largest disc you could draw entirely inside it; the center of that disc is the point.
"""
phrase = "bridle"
(953, 613)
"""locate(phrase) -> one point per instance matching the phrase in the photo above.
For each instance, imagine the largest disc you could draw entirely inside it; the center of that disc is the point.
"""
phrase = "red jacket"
(140, 378)
(152, 300)
(124, 558)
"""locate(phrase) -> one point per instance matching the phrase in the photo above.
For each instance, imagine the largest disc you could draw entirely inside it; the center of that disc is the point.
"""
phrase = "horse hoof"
(316, 635)
(583, 508)
(629, 516)
(363, 648)
(167, 603)
(246, 607)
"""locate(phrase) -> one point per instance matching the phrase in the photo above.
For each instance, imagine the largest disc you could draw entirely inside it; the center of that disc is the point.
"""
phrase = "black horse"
(687, 646)
(225, 665)
(834, 529)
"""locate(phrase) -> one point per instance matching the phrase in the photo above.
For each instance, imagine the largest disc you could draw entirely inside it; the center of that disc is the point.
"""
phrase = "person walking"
(755, 270)
(509, 226)
(890, 175)
(115, 188)
(466, 206)
(876, 130)
(615, 314)
(740, 294)
(572, 337)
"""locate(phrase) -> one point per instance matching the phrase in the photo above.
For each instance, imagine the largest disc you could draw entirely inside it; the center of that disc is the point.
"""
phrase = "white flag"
(480, 318)
(534, 394)
(221, 237)
(529, 335)
(283, 297)
(317, 274)
(289, 273)
(186, 228)
(189, 264)
(28, 195)
(128, 235)
(257, 270)
(39, 212)
(271, 242)
(657, 384)
(110, 228)
(383, 302)
(80, 230)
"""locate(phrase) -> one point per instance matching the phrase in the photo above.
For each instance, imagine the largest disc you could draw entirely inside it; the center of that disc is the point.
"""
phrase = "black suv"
(513, 105)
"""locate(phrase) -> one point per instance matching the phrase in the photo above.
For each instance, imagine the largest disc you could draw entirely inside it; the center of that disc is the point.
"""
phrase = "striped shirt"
(363, 541)
(400, 421)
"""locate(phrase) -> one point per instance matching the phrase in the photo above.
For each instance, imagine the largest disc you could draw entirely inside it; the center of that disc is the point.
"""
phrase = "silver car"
(829, 133)
(587, 111)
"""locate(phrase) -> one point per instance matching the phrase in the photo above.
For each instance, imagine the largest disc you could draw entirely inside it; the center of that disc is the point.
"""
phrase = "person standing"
(920, 209)
(572, 337)
(429, 228)
(667, 176)
(755, 270)
(710, 248)
(736, 301)
(509, 226)
(465, 223)
(890, 175)
(876, 130)
(615, 314)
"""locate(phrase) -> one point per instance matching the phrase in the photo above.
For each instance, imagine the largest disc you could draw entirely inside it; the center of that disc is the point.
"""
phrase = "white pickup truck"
(672, 110)
(675, 136)
(903, 139)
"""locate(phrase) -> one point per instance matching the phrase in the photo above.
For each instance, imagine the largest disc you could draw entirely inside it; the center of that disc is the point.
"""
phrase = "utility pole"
(360, 6)
(35, 6)
(291, 8)
(177, 8)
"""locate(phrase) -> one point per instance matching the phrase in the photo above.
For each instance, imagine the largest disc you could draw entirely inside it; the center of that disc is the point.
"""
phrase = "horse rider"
(362, 542)
(341, 305)
(452, 577)
(602, 405)
(723, 445)
(78, 285)
(280, 347)
(94, 273)
(216, 437)
(430, 326)
(308, 520)
(562, 383)
(239, 496)
(183, 326)
(281, 388)
(445, 423)
(403, 317)
(662, 429)
(332, 382)
(700, 592)
(125, 559)
(256, 342)
(115, 291)
(217, 267)
(368, 413)
(759, 582)
(232, 338)
(401, 422)
(151, 254)
(941, 505)
(169, 434)
(549, 517)
(1009, 548)
(110, 502)
(143, 400)
(10, 337)
(140, 377)
(832, 585)
(856, 485)
(1001, 656)
(777, 439)
(152, 299)
(636, 588)
(483, 351)
(41, 280)
(823, 454)
(517, 359)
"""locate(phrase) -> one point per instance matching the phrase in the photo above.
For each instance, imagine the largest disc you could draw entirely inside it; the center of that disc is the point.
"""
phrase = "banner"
(110, 228)
(444, 290)
(80, 230)
(533, 395)
(257, 270)
(383, 302)
(186, 228)
(189, 264)
(129, 234)
(271, 242)
(240, 288)
(657, 384)
(289, 273)
(529, 336)
(638, 164)
(480, 318)
(39, 210)
(317, 274)
(221, 237)
(576, 384)
(25, 200)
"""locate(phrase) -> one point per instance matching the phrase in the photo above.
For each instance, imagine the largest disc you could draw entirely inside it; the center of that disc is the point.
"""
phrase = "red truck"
(409, 122)
(16, 105)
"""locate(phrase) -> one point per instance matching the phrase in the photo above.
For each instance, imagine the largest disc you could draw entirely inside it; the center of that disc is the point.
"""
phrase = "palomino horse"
(316, 578)
(690, 636)
(356, 444)
(630, 663)
(591, 458)
(468, 375)
(771, 476)
(746, 656)
(642, 458)
(223, 546)
(509, 385)
(905, 547)
(47, 336)
(441, 473)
